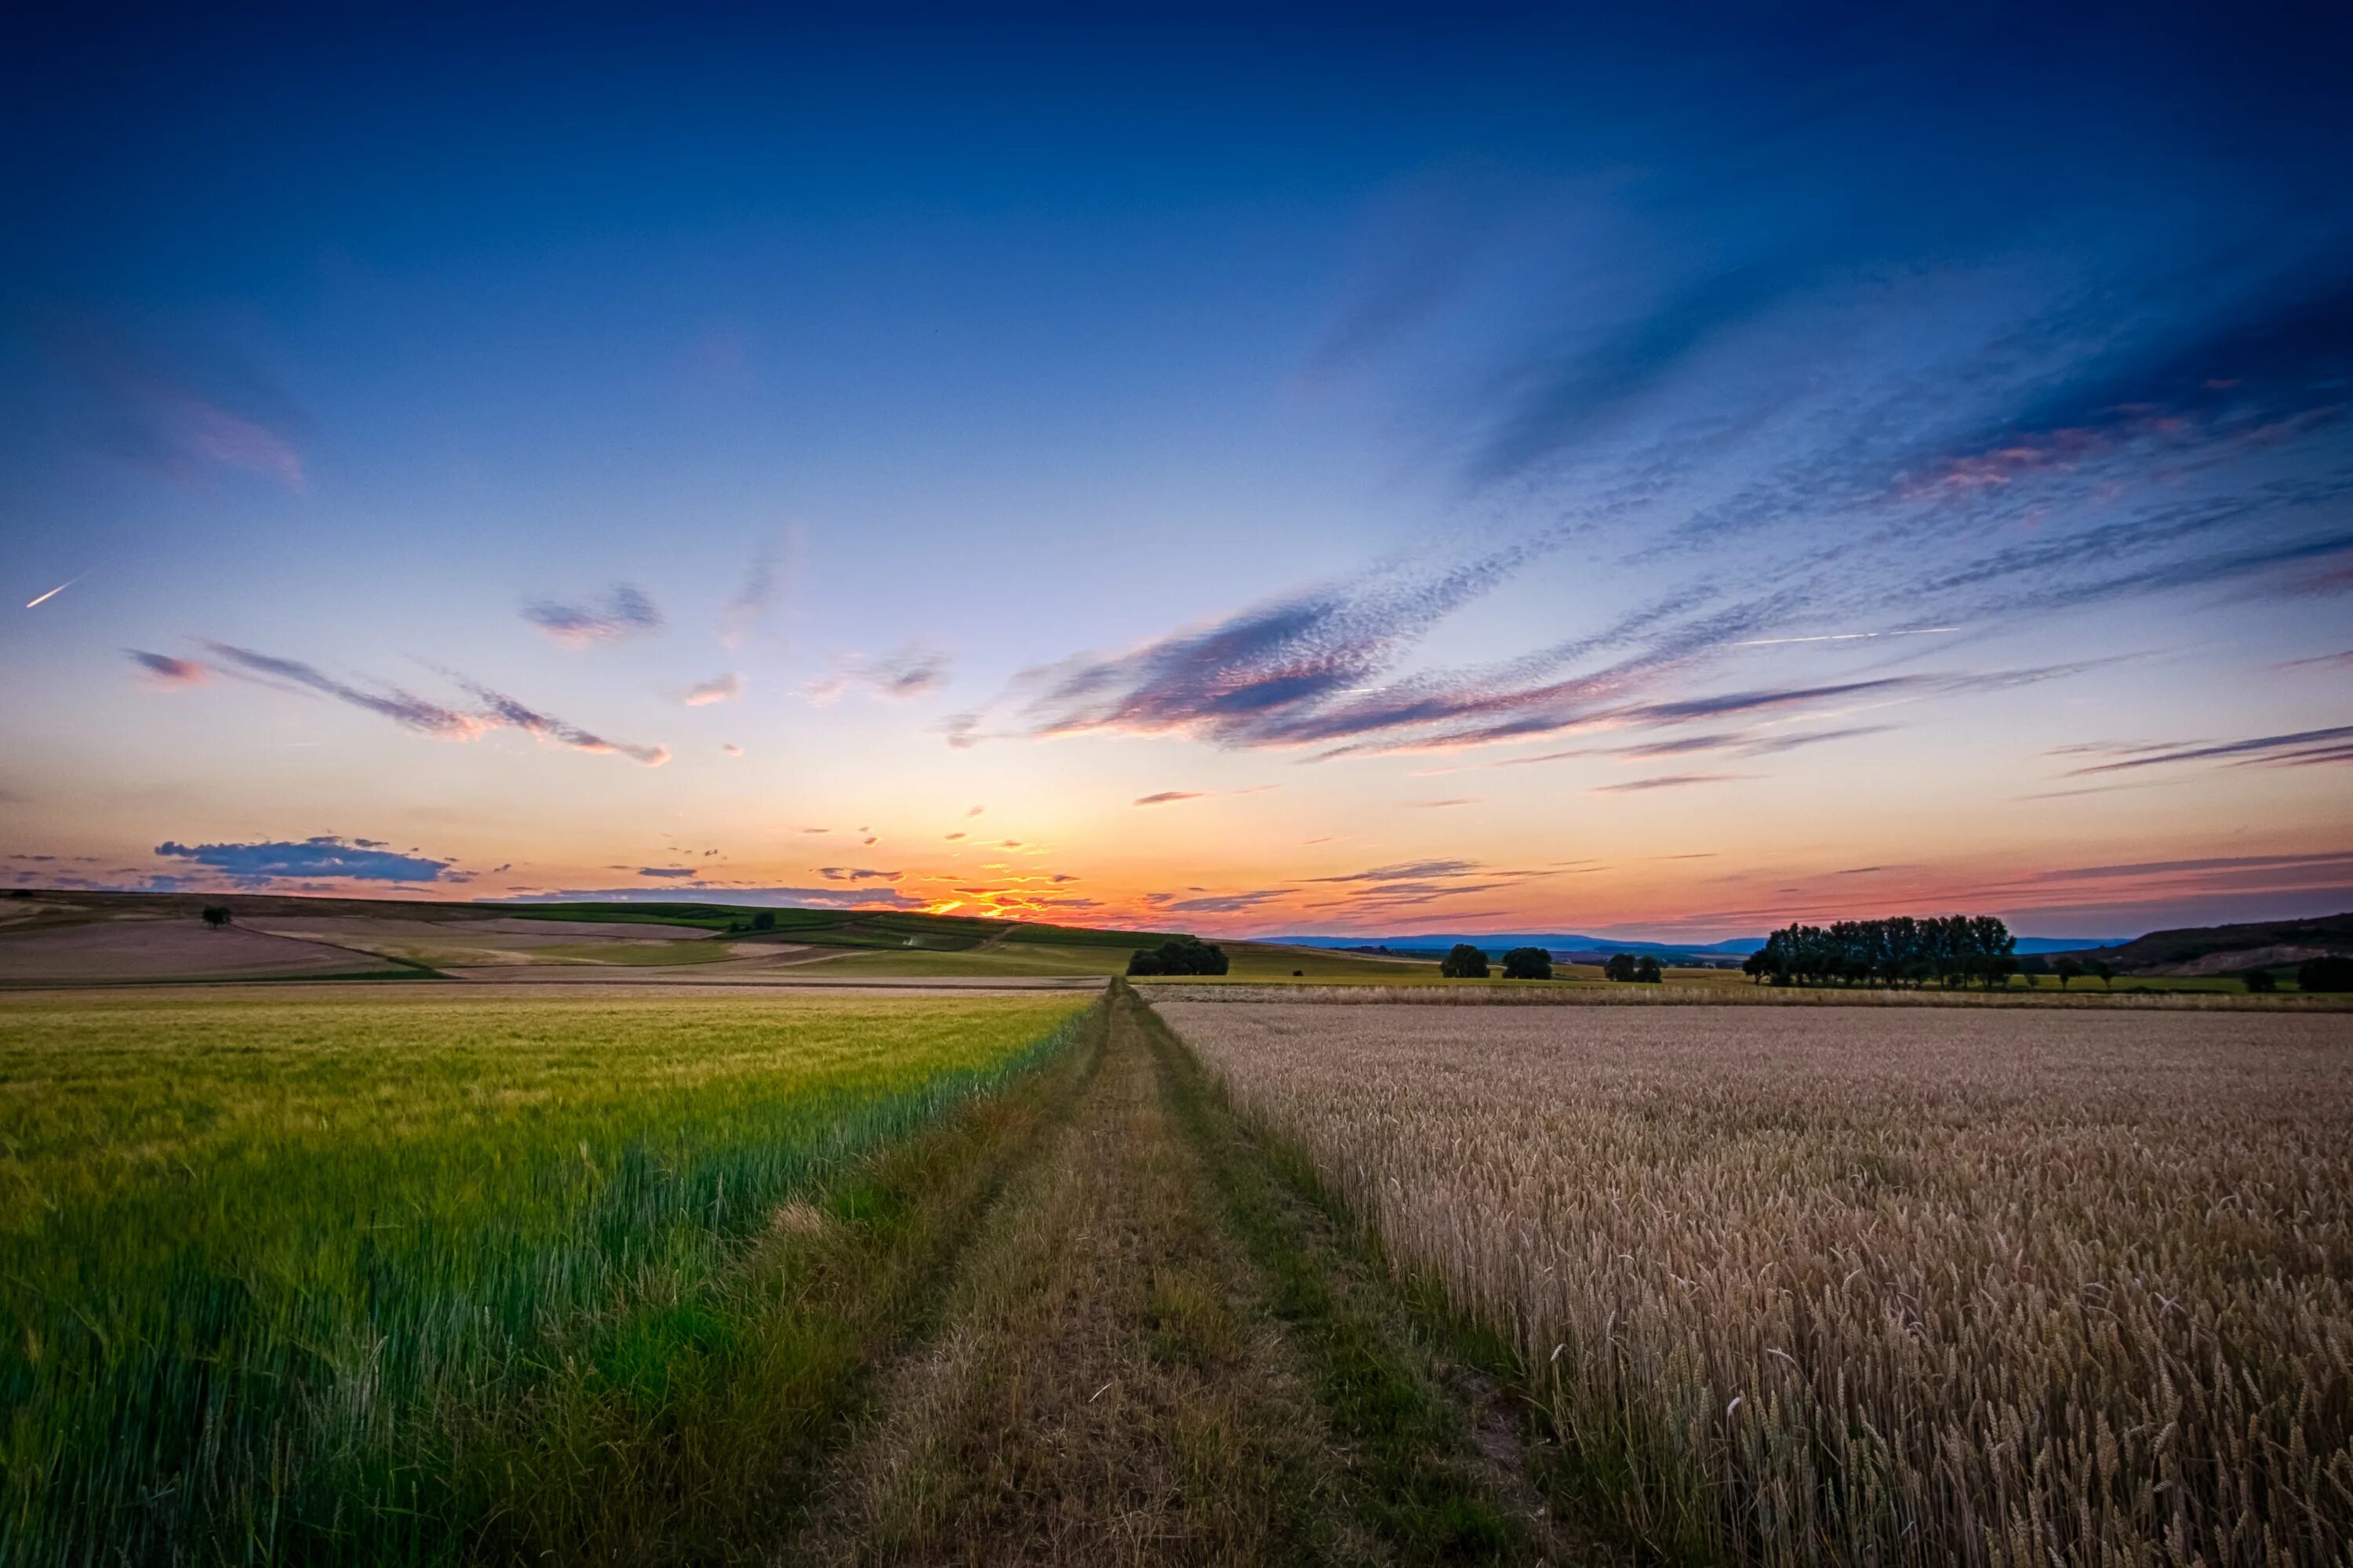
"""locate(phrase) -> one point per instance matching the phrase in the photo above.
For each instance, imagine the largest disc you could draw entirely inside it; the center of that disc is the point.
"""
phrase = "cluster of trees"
(2326, 973)
(1527, 963)
(217, 915)
(1905, 951)
(1643, 970)
(1464, 961)
(1179, 956)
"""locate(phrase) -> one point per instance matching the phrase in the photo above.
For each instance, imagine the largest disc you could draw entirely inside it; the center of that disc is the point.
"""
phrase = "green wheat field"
(302, 1278)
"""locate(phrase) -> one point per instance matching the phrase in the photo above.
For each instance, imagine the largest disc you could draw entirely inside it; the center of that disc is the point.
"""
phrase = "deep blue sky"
(1467, 447)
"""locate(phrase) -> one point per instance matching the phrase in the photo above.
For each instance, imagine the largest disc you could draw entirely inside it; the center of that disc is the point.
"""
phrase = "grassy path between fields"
(1090, 1319)
(1155, 1347)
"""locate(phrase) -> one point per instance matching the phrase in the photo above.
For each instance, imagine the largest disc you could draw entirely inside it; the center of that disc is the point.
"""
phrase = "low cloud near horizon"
(360, 859)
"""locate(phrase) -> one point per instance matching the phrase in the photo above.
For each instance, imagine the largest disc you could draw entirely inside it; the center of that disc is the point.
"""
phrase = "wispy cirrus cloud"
(1750, 742)
(1667, 781)
(1171, 797)
(2302, 749)
(765, 583)
(423, 715)
(1871, 417)
(857, 874)
(1258, 677)
(1211, 903)
(911, 672)
(622, 613)
(498, 709)
(755, 895)
(1407, 871)
(183, 416)
(2334, 862)
(401, 706)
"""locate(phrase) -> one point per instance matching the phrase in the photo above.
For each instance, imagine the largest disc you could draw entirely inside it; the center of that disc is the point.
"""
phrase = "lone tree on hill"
(2068, 969)
(1527, 963)
(217, 916)
(1179, 956)
(1464, 962)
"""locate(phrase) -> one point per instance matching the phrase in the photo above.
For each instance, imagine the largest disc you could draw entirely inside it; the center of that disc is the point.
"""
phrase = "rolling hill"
(2223, 950)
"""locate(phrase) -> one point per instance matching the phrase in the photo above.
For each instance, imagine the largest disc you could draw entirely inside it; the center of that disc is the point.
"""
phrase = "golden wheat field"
(1894, 1286)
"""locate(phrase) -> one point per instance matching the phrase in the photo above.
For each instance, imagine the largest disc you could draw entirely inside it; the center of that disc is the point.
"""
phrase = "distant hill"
(1571, 942)
(853, 927)
(2223, 949)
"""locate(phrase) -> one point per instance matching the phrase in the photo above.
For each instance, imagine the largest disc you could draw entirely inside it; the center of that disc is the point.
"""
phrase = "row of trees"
(1464, 961)
(1948, 949)
(2069, 970)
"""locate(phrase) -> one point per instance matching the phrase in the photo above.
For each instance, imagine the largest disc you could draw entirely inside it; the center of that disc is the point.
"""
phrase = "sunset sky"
(1647, 474)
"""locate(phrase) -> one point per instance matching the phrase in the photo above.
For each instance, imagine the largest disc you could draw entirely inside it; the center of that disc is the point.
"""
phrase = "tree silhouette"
(2332, 972)
(1527, 963)
(1179, 956)
(2106, 971)
(1620, 967)
(217, 916)
(1463, 962)
(1646, 972)
(2068, 969)
(2260, 980)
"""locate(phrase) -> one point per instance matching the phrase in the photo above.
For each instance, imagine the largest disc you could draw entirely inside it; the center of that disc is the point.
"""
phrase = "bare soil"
(120, 950)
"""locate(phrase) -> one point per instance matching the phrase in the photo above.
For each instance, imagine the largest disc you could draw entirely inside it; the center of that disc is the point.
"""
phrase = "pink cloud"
(718, 689)
(162, 670)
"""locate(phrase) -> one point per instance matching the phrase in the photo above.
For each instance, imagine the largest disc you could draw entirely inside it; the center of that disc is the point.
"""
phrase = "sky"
(1664, 475)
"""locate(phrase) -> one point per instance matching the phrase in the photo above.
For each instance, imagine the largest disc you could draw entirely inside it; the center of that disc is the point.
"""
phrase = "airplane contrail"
(36, 603)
